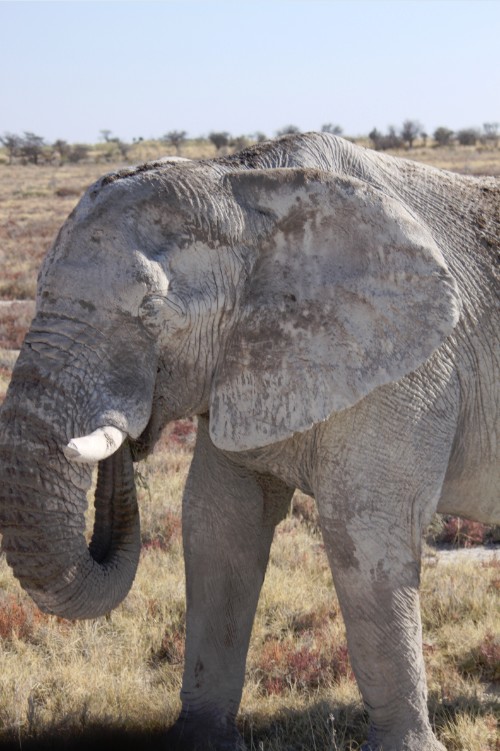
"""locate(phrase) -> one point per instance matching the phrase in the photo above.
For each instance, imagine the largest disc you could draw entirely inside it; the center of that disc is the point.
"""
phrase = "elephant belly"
(472, 483)
(473, 493)
(471, 486)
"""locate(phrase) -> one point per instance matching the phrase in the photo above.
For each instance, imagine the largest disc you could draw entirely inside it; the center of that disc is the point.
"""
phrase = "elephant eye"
(158, 312)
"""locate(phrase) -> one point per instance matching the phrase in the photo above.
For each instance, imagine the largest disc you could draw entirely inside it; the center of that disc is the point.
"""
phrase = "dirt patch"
(479, 554)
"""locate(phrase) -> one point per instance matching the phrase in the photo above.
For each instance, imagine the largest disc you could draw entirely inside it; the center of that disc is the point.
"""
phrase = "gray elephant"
(331, 315)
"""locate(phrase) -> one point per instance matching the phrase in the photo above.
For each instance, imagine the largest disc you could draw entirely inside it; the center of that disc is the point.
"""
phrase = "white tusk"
(92, 448)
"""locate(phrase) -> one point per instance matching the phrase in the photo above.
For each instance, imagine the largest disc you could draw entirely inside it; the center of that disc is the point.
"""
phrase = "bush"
(468, 136)
(219, 139)
(389, 141)
(77, 153)
(442, 136)
(464, 533)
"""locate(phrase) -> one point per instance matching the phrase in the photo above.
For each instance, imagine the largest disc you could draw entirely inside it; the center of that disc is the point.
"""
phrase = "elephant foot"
(198, 735)
(409, 741)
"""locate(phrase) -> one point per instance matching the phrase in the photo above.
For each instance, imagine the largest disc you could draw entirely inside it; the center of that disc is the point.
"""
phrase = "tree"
(219, 139)
(123, 147)
(32, 146)
(390, 141)
(239, 143)
(335, 130)
(259, 136)
(106, 135)
(375, 137)
(12, 143)
(78, 152)
(63, 148)
(468, 136)
(491, 132)
(287, 130)
(409, 131)
(442, 136)
(176, 138)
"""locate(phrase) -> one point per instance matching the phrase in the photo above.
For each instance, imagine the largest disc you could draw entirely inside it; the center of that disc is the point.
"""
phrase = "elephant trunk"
(43, 499)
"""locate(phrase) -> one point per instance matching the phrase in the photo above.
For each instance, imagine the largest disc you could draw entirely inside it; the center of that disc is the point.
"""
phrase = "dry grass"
(34, 202)
(116, 680)
(467, 160)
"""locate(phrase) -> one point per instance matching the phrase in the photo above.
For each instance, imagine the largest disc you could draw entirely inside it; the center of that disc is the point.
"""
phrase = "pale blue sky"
(70, 69)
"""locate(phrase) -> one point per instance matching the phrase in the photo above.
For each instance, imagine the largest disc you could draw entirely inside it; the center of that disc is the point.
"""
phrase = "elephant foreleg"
(229, 515)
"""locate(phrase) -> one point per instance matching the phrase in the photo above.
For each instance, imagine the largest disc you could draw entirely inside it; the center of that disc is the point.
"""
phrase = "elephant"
(330, 316)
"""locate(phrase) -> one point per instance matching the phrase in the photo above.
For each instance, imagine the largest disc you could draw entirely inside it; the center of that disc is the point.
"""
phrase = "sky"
(141, 68)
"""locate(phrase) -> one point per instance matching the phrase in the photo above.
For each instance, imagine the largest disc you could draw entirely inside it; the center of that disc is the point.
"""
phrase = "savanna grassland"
(115, 681)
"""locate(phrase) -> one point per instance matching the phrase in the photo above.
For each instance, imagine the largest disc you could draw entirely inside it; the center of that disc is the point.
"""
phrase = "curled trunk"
(43, 500)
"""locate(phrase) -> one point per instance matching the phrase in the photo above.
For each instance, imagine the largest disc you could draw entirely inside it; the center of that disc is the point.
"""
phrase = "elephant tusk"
(90, 449)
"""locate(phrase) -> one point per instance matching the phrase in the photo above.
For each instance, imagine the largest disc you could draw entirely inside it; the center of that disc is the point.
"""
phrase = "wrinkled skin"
(331, 315)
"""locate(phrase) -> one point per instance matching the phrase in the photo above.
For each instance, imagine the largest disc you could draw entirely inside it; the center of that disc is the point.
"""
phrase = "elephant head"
(269, 298)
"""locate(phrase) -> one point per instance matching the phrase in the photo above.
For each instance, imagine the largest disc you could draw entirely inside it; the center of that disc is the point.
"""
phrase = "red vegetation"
(170, 524)
(19, 619)
(284, 665)
(463, 533)
(484, 660)
(171, 650)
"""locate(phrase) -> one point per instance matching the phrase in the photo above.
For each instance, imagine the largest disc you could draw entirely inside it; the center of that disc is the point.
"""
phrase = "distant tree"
(220, 139)
(63, 148)
(287, 130)
(106, 135)
(468, 136)
(122, 146)
(259, 137)
(176, 138)
(32, 146)
(238, 143)
(77, 153)
(382, 142)
(491, 132)
(12, 143)
(424, 136)
(392, 140)
(375, 137)
(335, 130)
(409, 131)
(442, 136)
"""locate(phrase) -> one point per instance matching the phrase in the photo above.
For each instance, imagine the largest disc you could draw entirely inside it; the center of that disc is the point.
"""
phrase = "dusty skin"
(331, 316)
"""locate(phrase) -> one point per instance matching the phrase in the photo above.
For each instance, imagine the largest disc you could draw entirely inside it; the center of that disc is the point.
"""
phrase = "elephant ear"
(348, 292)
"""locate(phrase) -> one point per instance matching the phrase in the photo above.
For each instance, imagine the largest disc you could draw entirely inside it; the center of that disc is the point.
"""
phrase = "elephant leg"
(376, 491)
(380, 604)
(229, 516)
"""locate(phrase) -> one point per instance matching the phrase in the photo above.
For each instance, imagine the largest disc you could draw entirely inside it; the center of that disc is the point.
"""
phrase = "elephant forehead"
(91, 279)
